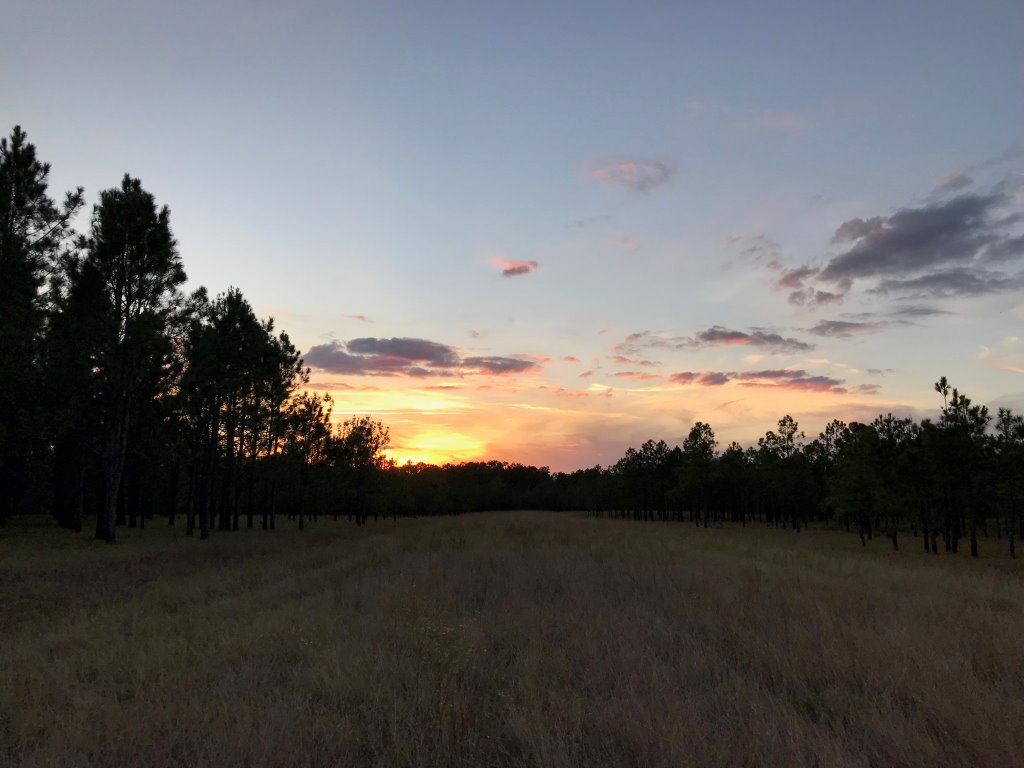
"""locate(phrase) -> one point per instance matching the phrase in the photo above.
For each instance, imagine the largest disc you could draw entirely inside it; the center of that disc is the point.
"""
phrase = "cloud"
(951, 283)
(867, 389)
(637, 375)
(563, 392)
(417, 358)
(409, 350)
(854, 229)
(499, 365)
(843, 329)
(360, 318)
(756, 248)
(570, 359)
(388, 357)
(513, 268)
(587, 221)
(626, 240)
(917, 311)
(622, 360)
(801, 294)
(797, 380)
(1007, 250)
(715, 336)
(638, 175)
(704, 379)
(942, 248)
(954, 181)
(794, 278)
(772, 342)
(810, 297)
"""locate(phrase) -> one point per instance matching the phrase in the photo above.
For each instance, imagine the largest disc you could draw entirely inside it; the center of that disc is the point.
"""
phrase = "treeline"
(124, 398)
(956, 478)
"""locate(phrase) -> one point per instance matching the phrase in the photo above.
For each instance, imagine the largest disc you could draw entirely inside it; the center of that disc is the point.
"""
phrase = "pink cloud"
(620, 360)
(703, 379)
(638, 375)
(513, 268)
(626, 240)
(571, 393)
(570, 359)
(638, 175)
(795, 380)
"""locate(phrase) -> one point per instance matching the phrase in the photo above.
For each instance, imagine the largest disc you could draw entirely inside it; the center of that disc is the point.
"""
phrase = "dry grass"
(505, 639)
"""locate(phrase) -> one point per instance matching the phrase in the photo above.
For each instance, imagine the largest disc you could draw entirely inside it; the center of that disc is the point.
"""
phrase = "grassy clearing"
(505, 639)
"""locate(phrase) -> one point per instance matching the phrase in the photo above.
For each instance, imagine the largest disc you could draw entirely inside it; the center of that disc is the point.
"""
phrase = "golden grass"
(505, 639)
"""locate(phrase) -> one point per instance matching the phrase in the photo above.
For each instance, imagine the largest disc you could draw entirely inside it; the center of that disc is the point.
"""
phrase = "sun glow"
(436, 447)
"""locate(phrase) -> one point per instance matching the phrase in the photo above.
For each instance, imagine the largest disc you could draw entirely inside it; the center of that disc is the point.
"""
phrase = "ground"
(517, 638)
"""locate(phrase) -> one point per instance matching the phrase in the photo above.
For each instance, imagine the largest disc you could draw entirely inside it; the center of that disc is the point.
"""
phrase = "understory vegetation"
(514, 638)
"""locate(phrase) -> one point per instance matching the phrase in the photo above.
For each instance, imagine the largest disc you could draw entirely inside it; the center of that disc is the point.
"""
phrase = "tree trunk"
(114, 452)
(172, 500)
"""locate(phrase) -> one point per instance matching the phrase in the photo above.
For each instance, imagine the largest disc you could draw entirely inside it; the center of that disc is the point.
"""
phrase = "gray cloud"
(932, 250)
(519, 268)
(770, 342)
(842, 329)
(813, 298)
(917, 311)
(758, 248)
(417, 358)
(636, 174)
(951, 283)
(753, 249)
(499, 365)
(855, 229)
(408, 350)
(1007, 250)
(798, 380)
(860, 323)
(702, 378)
(794, 278)
(954, 181)
(801, 294)
(715, 336)
(587, 221)
(621, 360)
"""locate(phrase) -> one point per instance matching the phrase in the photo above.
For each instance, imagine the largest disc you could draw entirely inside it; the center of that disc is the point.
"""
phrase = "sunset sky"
(545, 232)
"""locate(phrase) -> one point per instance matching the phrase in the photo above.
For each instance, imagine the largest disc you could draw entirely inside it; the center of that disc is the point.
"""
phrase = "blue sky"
(368, 170)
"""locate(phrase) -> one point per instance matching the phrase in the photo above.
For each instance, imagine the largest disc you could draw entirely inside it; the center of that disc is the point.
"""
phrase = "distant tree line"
(956, 478)
(125, 399)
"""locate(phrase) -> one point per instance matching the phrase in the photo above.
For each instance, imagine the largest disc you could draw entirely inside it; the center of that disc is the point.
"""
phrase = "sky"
(547, 232)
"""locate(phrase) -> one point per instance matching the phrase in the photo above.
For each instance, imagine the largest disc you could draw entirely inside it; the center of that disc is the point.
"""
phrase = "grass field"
(505, 639)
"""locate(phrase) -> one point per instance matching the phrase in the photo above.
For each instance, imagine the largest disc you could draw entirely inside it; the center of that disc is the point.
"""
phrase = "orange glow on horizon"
(532, 422)
(433, 446)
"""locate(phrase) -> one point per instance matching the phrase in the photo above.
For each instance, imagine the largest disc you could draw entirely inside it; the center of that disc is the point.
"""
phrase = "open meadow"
(519, 638)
